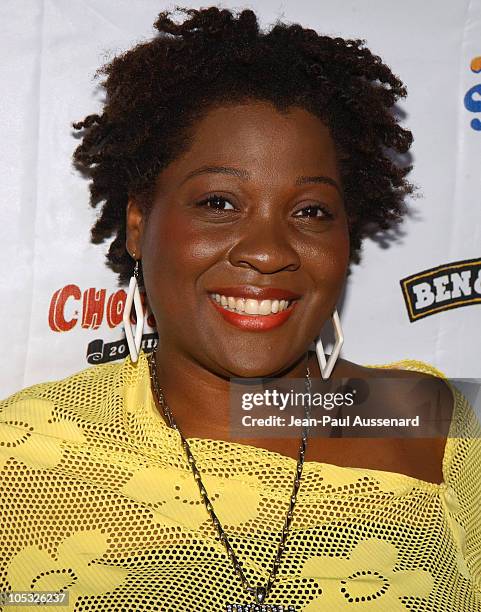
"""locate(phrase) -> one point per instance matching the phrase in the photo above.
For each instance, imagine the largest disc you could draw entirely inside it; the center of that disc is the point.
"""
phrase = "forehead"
(259, 138)
(254, 123)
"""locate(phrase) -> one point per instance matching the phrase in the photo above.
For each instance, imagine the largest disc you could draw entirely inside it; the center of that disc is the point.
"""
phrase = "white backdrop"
(51, 275)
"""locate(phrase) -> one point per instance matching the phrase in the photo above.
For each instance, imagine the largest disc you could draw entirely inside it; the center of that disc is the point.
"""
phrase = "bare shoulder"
(426, 386)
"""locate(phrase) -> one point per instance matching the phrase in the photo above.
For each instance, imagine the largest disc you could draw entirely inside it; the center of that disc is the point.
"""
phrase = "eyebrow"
(243, 174)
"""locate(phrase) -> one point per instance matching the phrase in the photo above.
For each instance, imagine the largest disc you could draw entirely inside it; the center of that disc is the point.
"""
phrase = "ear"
(134, 227)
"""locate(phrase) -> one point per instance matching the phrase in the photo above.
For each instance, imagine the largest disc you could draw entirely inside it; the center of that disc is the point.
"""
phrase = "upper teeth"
(249, 305)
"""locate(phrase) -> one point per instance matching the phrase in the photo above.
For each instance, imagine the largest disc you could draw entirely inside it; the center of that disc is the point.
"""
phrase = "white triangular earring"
(326, 367)
(133, 298)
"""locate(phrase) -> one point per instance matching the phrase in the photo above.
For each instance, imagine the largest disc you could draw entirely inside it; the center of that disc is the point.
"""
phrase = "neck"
(198, 398)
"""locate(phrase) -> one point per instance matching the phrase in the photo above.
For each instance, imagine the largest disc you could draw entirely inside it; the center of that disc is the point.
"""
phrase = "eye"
(314, 211)
(216, 202)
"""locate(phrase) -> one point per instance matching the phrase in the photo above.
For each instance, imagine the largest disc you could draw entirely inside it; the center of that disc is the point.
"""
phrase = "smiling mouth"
(250, 306)
(240, 312)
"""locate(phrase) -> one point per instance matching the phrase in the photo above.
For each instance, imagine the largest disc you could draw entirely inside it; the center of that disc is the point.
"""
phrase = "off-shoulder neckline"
(409, 482)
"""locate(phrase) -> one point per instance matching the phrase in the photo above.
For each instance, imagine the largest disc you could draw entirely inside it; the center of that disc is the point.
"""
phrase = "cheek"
(178, 249)
(341, 251)
(328, 258)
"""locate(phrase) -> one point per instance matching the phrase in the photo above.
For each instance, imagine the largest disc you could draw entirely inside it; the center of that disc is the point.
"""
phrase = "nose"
(266, 247)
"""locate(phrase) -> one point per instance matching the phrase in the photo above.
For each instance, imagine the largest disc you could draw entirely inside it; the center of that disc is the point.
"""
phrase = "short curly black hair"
(157, 90)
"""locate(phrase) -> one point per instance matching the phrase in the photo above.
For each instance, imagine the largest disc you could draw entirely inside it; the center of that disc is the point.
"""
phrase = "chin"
(249, 364)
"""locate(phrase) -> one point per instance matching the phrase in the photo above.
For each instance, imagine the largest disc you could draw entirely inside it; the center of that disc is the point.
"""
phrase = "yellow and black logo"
(448, 286)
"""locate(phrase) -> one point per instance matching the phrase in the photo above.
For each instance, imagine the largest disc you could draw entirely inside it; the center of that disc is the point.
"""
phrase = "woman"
(238, 172)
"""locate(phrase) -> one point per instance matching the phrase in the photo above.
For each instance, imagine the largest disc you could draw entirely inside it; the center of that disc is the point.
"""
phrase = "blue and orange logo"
(472, 99)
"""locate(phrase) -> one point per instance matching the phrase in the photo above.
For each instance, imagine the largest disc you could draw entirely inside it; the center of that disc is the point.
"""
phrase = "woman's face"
(277, 222)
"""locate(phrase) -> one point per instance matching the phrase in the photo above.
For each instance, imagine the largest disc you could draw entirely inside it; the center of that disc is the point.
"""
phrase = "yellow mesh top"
(97, 498)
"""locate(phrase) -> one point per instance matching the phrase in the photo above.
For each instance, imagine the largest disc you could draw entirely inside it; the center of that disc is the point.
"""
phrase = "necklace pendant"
(259, 607)
(260, 594)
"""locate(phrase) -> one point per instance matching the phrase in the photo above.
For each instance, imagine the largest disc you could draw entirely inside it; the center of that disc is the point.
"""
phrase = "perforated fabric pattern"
(96, 497)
